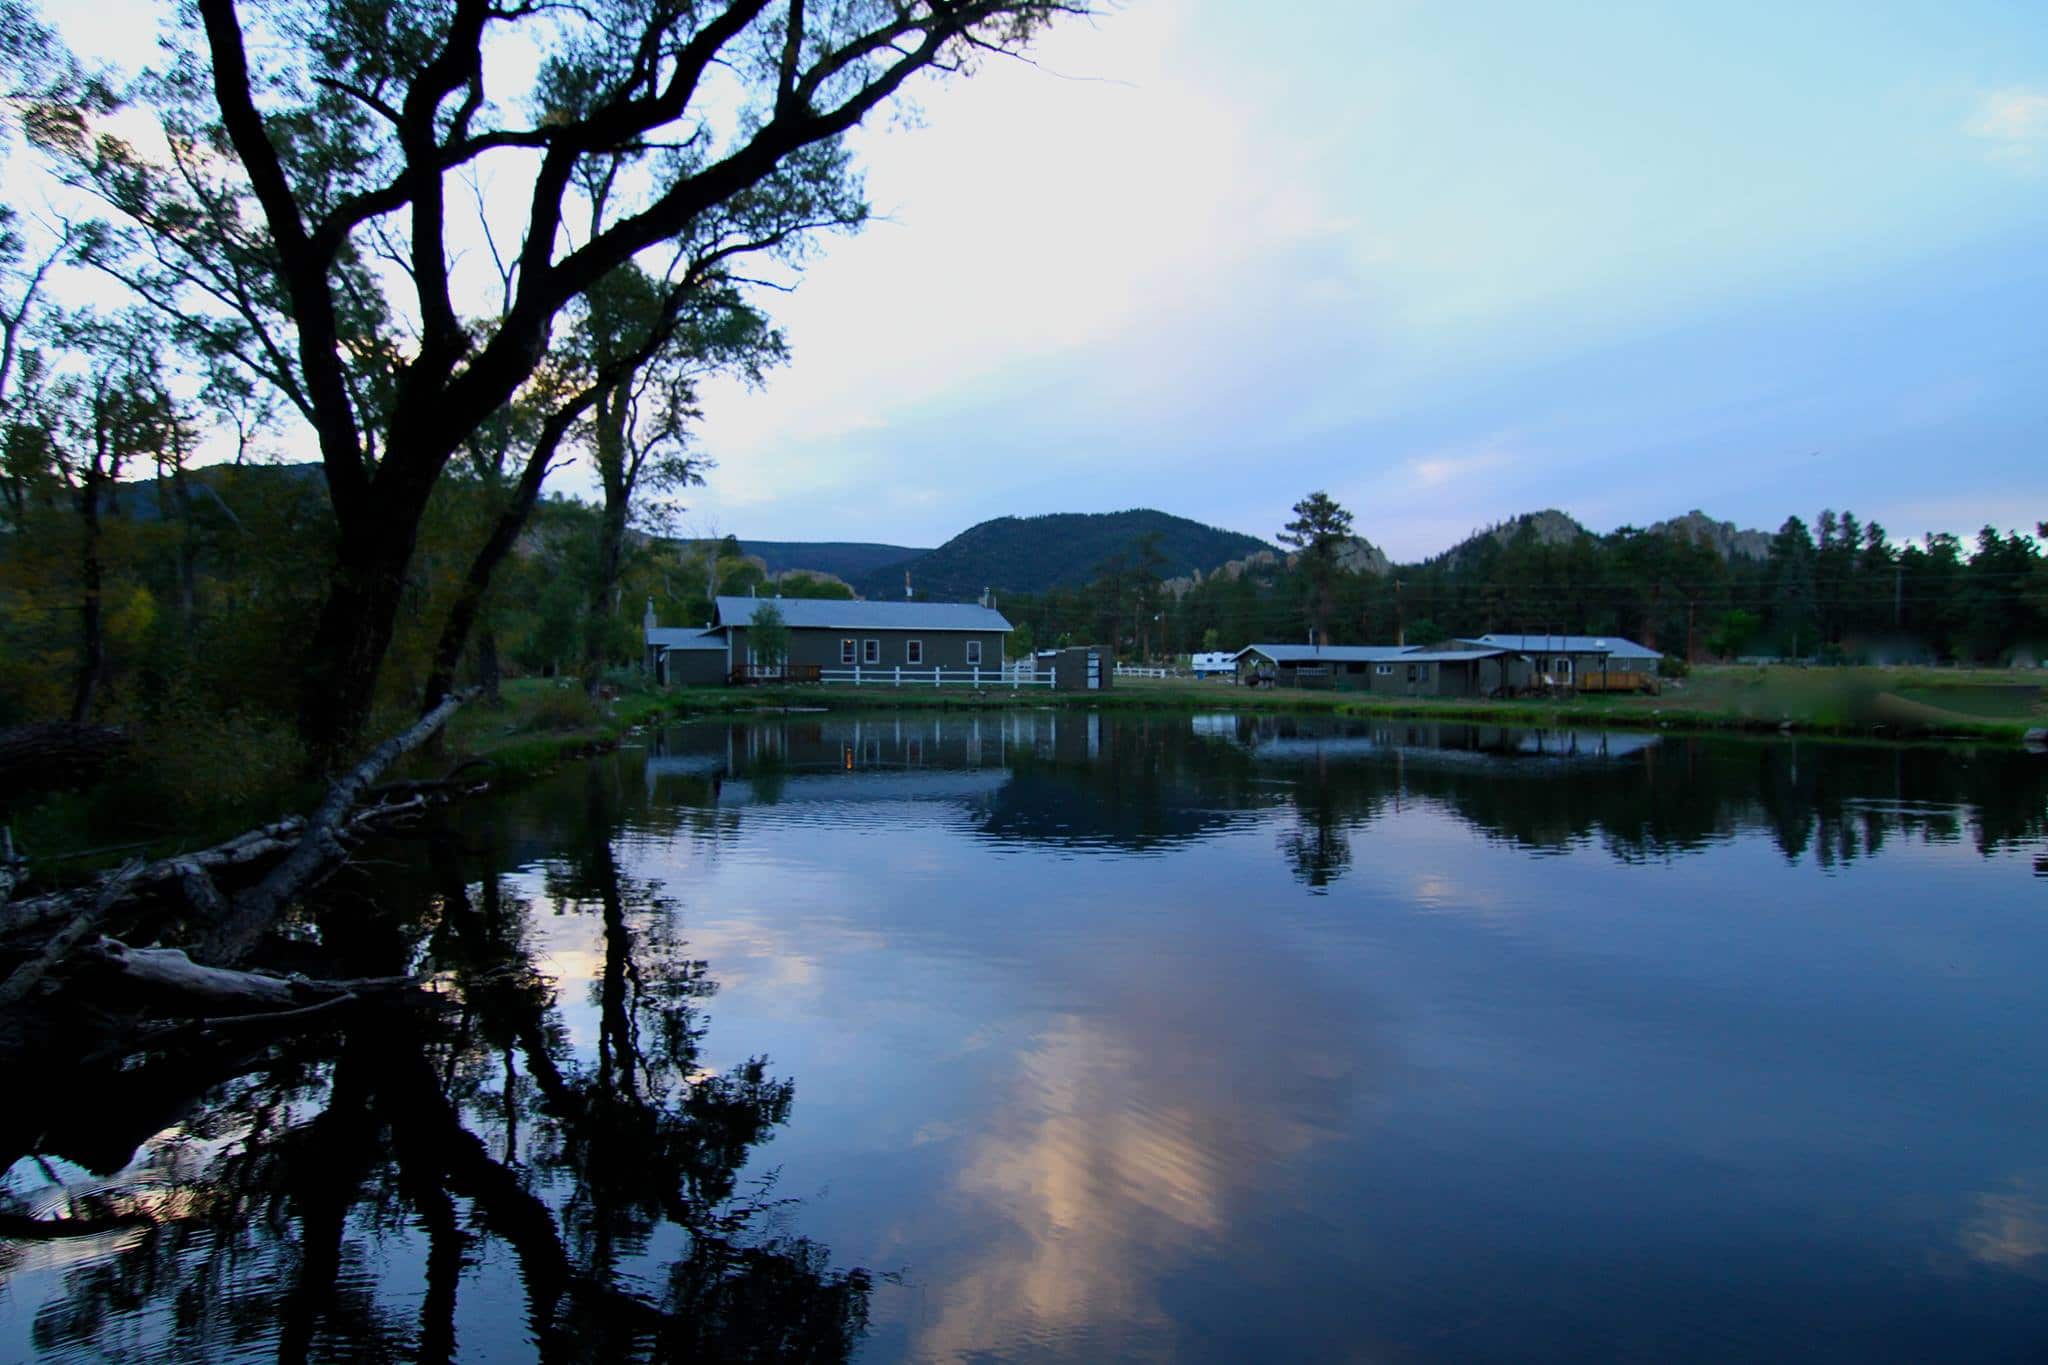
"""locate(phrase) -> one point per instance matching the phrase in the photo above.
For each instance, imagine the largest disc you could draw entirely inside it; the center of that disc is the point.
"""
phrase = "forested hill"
(1062, 549)
(847, 559)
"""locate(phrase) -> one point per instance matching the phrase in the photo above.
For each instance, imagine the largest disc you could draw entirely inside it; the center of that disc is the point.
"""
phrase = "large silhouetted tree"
(325, 172)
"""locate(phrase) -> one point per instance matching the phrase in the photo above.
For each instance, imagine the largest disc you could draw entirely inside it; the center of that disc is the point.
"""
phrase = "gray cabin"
(829, 635)
(1455, 670)
(1587, 663)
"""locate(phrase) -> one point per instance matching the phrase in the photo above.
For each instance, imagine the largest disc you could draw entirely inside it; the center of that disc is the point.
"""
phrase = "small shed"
(1080, 668)
(680, 656)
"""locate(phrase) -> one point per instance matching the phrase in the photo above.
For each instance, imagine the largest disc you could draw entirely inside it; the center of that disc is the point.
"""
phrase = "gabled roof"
(1616, 646)
(1327, 654)
(683, 637)
(812, 613)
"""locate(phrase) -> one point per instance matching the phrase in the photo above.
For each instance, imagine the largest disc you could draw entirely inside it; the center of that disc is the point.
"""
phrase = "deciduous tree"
(305, 215)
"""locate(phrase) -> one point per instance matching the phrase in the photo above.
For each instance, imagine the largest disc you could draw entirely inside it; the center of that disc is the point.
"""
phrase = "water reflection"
(473, 1179)
(1148, 783)
(1209, 1037)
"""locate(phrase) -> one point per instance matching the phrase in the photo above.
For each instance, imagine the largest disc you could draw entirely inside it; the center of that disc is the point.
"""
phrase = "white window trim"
(1384, 670)
(849, 650)
(913, 651)
(974, 654)
(871, 651)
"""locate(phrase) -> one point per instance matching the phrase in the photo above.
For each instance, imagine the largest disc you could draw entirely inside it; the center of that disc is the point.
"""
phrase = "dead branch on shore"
(302, 852)
(25, 977)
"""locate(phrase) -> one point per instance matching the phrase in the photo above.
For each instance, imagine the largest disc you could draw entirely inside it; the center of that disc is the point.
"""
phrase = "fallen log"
(319, 849)
(25, 977)
(56, 754)
(168, 981)
(304, 850)
(254, 846)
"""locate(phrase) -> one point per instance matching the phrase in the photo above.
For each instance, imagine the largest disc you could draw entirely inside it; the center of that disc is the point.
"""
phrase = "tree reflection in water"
(311, 1197)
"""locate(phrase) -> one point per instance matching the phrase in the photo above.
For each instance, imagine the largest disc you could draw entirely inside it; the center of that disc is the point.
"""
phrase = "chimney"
(649, 621)
(906, 585)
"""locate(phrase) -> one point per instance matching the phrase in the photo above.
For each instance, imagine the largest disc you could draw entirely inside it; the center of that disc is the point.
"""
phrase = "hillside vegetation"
(851, 560)
(1062, 549)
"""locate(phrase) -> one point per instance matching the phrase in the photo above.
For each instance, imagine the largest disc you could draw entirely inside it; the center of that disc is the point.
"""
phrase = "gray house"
(1459, 669)
(1346, 666)
(826, 634)
(1586, 662)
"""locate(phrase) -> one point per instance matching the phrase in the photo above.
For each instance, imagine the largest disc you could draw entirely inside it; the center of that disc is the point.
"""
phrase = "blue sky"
(1448, 262)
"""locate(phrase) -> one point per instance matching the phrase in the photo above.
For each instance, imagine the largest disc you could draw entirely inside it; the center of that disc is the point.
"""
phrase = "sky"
(1448, 263)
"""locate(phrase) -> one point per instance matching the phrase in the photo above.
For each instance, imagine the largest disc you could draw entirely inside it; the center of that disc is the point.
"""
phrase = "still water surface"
(1044, 1035)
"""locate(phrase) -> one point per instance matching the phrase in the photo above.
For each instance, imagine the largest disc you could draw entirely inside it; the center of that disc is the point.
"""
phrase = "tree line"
(1842, 590)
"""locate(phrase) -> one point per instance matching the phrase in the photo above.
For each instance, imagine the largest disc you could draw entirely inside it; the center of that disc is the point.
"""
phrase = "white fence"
(1135, 671)
(937, 677)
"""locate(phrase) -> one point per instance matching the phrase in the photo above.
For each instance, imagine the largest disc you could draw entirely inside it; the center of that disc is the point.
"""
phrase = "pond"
(1061, 1035)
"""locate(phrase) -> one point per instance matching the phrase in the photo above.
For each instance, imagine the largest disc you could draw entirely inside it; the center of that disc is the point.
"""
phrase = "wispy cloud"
(1432, 471)
(2015, 124)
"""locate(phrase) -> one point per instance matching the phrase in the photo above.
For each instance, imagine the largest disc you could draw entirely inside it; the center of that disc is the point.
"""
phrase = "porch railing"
(775, 673)
(890, 675)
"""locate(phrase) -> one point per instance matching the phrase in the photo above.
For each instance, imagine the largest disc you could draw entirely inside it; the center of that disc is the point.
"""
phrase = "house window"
(1561, 666)
(846, 654)
(1411, 672)
(913, 651)
(1384, 670)
(974, 654)
(871, 651)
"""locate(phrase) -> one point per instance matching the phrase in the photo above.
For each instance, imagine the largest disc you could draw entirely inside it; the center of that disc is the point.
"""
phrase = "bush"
(560, 708)
(1671, 666)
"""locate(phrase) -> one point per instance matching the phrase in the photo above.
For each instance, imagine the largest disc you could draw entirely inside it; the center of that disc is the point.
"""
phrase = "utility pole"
(1400, 617)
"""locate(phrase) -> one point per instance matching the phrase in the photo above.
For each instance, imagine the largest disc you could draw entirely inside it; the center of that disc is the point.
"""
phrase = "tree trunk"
(188, 550)
(462, 615)
(92, 645)
(612, 412)
(487, 671)
(354, 631)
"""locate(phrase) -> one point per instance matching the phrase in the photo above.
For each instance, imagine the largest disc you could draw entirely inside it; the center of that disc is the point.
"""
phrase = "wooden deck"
(1614, 680)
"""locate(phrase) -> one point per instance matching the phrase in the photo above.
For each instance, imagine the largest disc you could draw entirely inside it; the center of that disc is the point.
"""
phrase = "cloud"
(2015, 123)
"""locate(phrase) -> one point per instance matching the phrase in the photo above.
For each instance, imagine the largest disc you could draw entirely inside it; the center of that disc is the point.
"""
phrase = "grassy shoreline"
(541, 724)
(1854, 704)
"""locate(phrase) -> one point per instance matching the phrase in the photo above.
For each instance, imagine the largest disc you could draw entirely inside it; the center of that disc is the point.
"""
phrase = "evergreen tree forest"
(1839, 591)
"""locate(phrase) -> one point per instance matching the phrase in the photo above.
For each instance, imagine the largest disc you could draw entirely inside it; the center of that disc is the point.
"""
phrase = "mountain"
(216, 485)
(1060, 550)
(1355, 555)
(851, 560)
(1550, 527)
(1719, 536)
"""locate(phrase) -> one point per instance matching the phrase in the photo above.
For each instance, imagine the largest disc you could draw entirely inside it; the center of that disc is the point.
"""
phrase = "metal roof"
(683, 637)
(813, 613)
(1617, 646)
(1454, 656)
(1328, 654)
